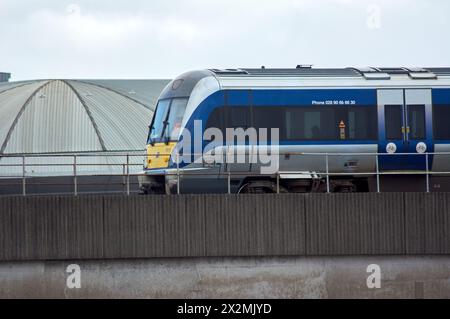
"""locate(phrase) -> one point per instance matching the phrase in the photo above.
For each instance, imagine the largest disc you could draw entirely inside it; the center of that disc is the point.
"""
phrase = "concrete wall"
(254, 277)
(117, 227)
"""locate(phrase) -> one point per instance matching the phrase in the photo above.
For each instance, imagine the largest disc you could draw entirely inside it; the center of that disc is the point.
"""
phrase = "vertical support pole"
(378, 174)
(278, 182)
(75, 184)
(427, 172)
(124, 177)
(24, 182)
(178, 173)
(228, 169)
(128, 174)
(328, 172)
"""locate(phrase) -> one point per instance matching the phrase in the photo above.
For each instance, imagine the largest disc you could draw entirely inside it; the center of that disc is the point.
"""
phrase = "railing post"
(128, 174)
(75, 185)
(328, 172)
(124, 177)
(178, 173)
(278, 182)
(427, 172)
(24, 185)
(378, 174)
(228, 168)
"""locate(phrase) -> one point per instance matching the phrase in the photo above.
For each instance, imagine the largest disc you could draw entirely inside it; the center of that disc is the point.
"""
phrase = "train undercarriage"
(259, 185)
(315, 184)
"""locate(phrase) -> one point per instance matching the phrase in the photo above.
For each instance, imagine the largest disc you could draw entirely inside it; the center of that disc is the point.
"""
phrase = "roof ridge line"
(88, 111)
(113, 90)
(19, 115)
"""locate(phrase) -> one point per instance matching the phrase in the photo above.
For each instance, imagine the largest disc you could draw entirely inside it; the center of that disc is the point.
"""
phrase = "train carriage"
(337, 130)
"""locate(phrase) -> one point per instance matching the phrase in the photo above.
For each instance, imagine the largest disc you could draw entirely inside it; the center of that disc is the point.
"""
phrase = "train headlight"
(391, 148)
(421, 147)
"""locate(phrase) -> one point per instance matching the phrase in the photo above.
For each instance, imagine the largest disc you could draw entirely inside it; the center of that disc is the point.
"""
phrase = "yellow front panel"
(158, 155)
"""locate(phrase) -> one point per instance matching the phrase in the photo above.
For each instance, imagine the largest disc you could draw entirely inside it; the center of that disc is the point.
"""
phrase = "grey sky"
(163, 38)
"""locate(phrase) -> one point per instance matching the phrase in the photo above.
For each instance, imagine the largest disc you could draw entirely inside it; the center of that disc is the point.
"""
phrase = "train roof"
(380, 73)
(207, 81)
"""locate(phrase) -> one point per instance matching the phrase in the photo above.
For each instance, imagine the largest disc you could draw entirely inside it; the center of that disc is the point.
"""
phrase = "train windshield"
(167, 120)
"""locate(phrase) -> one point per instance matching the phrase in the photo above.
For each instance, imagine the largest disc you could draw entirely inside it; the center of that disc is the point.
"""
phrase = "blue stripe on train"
(441, 96)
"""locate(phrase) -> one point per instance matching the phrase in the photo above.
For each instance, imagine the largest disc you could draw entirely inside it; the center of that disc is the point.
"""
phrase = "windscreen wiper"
(166, 123)
(164, 135)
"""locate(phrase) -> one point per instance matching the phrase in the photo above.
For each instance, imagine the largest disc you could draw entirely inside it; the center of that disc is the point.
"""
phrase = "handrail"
(203, 154)
(78, 167)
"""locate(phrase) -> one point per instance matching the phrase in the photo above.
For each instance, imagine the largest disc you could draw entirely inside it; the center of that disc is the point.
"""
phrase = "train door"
(405, 118)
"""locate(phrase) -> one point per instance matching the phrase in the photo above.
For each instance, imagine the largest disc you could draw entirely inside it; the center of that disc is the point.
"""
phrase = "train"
(327, 129)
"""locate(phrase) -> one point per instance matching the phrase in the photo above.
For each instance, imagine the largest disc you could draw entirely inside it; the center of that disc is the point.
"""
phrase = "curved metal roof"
(73, 116)
(142, 91)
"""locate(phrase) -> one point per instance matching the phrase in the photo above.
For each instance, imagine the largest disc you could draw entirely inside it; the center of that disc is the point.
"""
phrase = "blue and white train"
(337, 128)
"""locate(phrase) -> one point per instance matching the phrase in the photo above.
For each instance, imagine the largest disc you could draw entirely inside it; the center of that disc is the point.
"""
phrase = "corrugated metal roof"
(53, 121)
(6, 86)
(59, 116)
(143, 91)
(11, 102)
(122, 123)
(55, 117)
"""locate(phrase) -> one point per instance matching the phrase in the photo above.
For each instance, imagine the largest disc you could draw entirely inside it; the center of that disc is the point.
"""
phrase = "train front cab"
(165, 129)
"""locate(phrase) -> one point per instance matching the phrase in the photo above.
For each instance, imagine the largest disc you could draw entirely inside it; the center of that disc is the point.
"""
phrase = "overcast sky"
(163, 38)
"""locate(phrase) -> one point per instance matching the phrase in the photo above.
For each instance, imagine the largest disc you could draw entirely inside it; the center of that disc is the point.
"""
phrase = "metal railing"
(74, 166)
(127, 167)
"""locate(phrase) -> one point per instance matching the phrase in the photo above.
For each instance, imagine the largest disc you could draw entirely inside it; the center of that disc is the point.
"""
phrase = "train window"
(416, 122)
(305, 123)
(217, 119)
(319, 123)
(312, 125)
(229, 117)
(394, 122)
(441, 114)
(324, 123)
(301, 123)
(176, 115)
(362, 123)
(157, 127)
(352, 124)
(295, 124)
(270, 118)
(238, 117)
